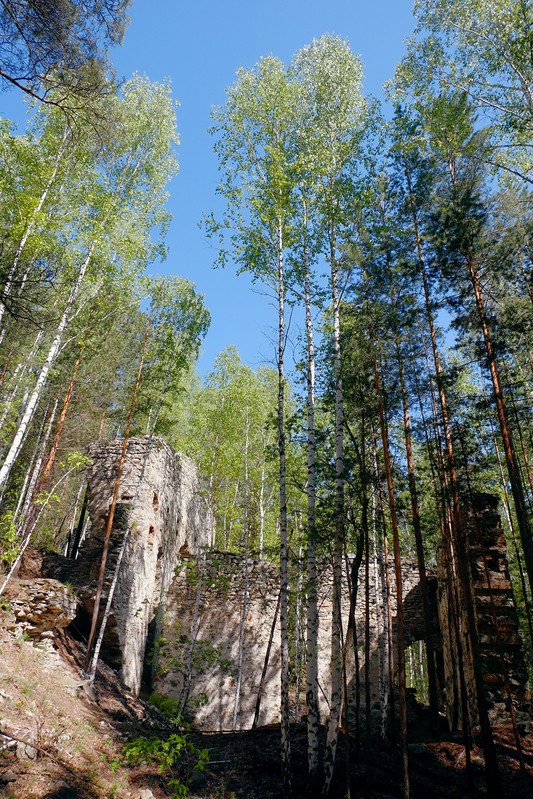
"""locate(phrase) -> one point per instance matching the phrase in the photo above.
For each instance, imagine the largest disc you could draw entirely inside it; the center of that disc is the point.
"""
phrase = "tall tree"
(484, 51)
(329, 77)
(56, 51)
(112, 203)
(255, 130)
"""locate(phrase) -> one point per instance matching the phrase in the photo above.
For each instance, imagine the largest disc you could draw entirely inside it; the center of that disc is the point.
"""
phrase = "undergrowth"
(176, 756)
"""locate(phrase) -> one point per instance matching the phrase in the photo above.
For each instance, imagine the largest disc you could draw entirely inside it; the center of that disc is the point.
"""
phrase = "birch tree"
(329, 78)
(255, 130)
(483, 50)
(110, 212)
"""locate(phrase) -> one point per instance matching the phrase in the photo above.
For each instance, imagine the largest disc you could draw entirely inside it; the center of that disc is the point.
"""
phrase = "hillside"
(63, 741)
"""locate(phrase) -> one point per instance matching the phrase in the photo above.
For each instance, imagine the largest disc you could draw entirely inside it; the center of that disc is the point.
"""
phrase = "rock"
(26, 752)
(7, 776)
(145, 793)
(41, 606)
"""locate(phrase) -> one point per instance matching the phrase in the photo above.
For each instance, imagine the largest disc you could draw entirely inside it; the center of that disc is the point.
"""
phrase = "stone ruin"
(207, 604)
(200, 638)
(161, 502)
(500, 647)
(185, 615)
(162, 506)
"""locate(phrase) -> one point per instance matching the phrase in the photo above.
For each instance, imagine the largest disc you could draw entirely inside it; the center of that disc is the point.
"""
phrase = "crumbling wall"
(198, 645)
(161, 505)
(198, 650)
(500, 646)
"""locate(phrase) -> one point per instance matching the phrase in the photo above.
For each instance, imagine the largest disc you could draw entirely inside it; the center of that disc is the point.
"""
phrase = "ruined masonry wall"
(198, 651)
(500, 646)
(166, 513)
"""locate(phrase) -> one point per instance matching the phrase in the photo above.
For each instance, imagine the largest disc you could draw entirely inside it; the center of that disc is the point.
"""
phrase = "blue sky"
(199, 46)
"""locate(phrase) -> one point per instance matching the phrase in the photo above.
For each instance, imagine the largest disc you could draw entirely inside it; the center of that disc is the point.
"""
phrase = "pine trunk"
(111, 515)
(400, 641)
(513, 470)
(415, 514)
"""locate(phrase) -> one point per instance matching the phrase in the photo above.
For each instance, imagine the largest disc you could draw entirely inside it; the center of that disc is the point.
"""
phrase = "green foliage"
(9, 539)
(176, 756)
(167, 706)
(229, 434)
(58, 50)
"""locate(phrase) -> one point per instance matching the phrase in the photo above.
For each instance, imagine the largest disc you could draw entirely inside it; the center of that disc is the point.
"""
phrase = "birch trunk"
(30, 476)
(18, 377)
(27, 519)
(6, 292)
(312, 620)
(284, 577)
(50, 461)
(244, 609)
(262, 511)
(53, 352)
(338, 544)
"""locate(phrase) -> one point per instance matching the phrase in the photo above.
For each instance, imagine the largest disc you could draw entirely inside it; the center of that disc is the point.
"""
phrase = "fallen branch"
(45, 753)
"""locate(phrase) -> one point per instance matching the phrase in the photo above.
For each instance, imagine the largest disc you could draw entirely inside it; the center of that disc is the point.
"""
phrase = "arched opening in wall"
(416, 670)
(416, 664)
(154, 629)
(150, 654)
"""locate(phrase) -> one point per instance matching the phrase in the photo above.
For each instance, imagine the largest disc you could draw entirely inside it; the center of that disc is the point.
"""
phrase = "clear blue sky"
(199, 46)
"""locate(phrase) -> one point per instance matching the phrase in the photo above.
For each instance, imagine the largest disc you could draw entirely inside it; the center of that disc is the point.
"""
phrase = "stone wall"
(198, 652)
(500, 646)
(208, 612)
(39, 608)
(201, 629)
(161, 504)
(198, 649)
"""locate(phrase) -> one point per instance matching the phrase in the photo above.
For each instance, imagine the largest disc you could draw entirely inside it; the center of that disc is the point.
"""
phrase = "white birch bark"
(37, 468)
(53, 352)
(18, 377)
(299, 636)
(6, 292)
(244, 609)
(73, 518)
(262, 511)
(336, 621)
(312, 617)
(284, 577)
(27, 537)
(30, 471)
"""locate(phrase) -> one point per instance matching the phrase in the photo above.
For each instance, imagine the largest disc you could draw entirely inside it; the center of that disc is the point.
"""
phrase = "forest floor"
(62, 744)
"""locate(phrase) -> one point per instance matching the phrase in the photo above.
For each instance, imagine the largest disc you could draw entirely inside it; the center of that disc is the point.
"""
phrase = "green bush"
(9, 540)
(176, 756)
